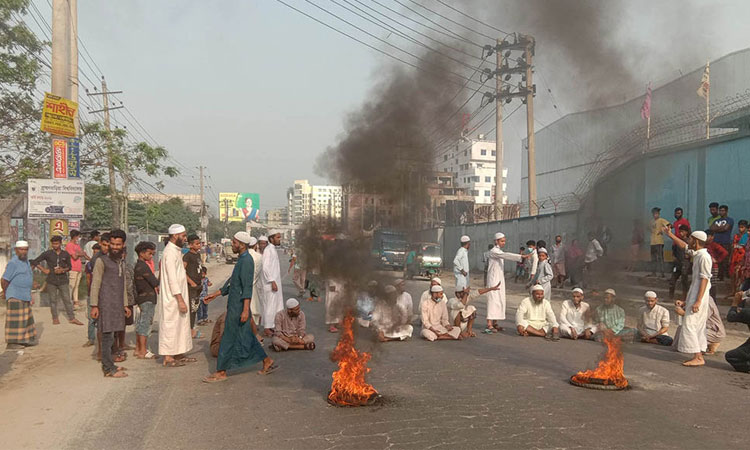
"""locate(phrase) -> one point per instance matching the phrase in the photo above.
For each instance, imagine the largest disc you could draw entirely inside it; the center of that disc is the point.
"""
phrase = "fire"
(349, 387)
(610, 369)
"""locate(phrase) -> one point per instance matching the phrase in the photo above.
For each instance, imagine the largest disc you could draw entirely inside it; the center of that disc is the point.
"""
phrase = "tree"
(216, 229)
(24, 150)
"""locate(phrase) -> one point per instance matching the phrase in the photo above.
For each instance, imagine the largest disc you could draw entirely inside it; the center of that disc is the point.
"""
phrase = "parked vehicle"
(229, 254)
(423, 259)
(389, 249)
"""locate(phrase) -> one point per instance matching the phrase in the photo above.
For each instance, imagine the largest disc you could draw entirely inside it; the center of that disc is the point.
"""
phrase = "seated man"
(461, 313)
(535, 317)
(653, 322)
(388, 319)
(366, 304)
(575, 318)
(427, 295)
(289, 329)
(739, 312)
(435, 322)
(612, 318)
(404, 301)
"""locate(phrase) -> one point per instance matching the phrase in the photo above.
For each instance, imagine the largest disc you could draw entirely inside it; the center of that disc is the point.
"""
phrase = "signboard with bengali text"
(55, 198)
(59, 158)
(58, 116)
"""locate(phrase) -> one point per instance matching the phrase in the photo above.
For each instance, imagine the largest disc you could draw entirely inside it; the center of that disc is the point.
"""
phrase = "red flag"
(646, 107)
(705, 84)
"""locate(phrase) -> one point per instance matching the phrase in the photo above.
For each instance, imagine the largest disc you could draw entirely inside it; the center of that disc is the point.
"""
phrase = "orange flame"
(349, 387)
(610, 369)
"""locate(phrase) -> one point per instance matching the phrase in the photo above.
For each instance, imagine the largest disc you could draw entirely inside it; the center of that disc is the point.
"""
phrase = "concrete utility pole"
(73, 15)
(499, 137)
(529, 55)
(204, 220)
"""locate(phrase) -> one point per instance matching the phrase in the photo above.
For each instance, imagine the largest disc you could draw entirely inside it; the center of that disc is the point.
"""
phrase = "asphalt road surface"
(497, 391)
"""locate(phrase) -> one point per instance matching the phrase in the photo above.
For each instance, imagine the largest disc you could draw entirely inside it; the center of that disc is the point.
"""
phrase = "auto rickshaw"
(423, 259)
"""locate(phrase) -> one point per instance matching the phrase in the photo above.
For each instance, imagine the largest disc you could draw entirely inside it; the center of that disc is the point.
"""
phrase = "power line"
(473, 18)
(478, 33)
(456, 35)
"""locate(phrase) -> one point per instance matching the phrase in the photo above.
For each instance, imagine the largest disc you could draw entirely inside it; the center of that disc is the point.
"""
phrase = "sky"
(255, 92)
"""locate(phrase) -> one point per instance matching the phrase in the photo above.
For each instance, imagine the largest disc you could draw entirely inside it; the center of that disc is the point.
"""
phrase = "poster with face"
(239, 206)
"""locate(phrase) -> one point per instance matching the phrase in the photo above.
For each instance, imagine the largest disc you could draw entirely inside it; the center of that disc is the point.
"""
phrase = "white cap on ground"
(650, 294)
(700, 235)
(436, 288)
(542, 250)
(176, 229)
(465, 239)
(252, 242)
(243, 236)
(22, 244)
(263, 239)
(499, 235)
(390, 289)
(610, 291)
(579, 290)
(437, 280)
(537, 287)
(292, 303)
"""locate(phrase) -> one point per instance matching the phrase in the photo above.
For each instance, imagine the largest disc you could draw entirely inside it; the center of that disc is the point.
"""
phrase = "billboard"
(239, 206)
(59, 158)
(55, 198)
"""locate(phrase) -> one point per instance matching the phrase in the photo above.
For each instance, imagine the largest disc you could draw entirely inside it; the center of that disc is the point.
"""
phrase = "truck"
(389, 249)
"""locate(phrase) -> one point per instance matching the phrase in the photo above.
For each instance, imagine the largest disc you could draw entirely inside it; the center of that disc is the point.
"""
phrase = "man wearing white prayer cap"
(243, 236)
(289, 329)
(175, 338)
(427, 295)
(692, 336)
(17, 281)
(262, 244)
(389, 319)
(535, 317)
(575, 317)
(495, 276)
(255, 303)
(461, 264)
(436, 323)
(273, 297)
(544, 273)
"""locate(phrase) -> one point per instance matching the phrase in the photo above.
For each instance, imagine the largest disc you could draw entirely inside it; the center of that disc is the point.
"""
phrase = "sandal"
(271, 369)
(120, 358)
(488, 330)
(173, 363)
(115, 374)
(310, 346)
(188, 360)
(214, 379)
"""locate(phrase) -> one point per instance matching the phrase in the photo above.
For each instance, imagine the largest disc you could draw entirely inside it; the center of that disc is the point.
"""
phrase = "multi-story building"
(473, 163)
(307, 201)
(277, 217)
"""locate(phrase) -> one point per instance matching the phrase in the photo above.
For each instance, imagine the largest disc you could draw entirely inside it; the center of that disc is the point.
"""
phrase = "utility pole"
(204, 220)
(73, 53)
(114, 200)
(529, 55)
(499, 137)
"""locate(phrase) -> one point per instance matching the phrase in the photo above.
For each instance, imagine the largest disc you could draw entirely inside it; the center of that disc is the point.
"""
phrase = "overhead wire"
(473, 18)
(478, 33)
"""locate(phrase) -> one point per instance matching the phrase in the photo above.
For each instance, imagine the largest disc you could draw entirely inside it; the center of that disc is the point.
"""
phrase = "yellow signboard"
(58, 115)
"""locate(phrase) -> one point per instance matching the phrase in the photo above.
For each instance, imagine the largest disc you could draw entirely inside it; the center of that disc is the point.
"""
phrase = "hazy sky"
(255, 92)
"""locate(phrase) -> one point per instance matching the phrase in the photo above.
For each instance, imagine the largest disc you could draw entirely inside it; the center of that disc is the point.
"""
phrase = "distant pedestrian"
(532, 261)
(88, 249)
(558, 261)
(679, 219)
(76, 266)
(202, 316)
(57, 267)
(718, 256)
(681, 265)
(89, 271)
(17, 282)
(594, 251)
(722, 228)
(461, 264)
(192, 260)
(713, 210)
(544, 273)
(574, 258)
(146, 288)
(657, 242)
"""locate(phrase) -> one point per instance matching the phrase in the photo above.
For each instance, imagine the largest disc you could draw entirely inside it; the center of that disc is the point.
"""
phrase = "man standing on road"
(461, 264)
(273, 297)
(192, 262)
(558, 261)
(255, 303)
(722, 228)
(146, 284)
(657, 242)
(239, 347)
(17, 282)
(496, 275)
(76, 266)
(679, 220)
(109, 300)
(88, 249)
(713, 209)
(58, 265)
(174, 319)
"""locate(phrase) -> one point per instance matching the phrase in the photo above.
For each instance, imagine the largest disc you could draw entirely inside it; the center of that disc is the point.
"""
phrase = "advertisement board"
(60, 158)
(239, 206)
(58, 116)
(55, 198)
(74, 158)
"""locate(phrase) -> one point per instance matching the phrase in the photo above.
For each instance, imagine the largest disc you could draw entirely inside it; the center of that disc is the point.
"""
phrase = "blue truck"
(389, 249)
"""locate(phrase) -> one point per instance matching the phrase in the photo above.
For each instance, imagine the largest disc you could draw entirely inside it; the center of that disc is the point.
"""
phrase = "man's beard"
(24, 257)
(179, 242)
(115, 254)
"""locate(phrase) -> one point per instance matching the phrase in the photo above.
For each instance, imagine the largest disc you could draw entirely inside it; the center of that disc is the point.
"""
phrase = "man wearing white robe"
(273, 297)
(426, 295)
(575, 318)
(692, 336)
(495, 275)
(391, 322)
(461, 264)
(255, 302)
(175, 338)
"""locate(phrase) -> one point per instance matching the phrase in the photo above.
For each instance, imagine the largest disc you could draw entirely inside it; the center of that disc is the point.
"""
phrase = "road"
(498, 391)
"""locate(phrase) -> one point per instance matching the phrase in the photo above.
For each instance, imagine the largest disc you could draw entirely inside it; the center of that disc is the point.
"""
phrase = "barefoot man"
(495, 275)
(239, 347)
(175, 338)
(693, 330)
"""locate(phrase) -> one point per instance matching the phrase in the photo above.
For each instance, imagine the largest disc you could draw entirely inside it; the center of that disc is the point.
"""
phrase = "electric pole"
(499, 137)
(204, 220)
(114, 200)
(528, 57)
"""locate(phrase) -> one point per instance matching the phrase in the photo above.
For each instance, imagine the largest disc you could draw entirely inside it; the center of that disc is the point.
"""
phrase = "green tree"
(216, 229)
(24, 150)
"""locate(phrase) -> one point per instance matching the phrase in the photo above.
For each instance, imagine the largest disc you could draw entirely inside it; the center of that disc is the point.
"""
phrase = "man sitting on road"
(462, 314)
(427, 295)
(435, 320)
(653, 322)
(575, 318)
(366, 304)
(289, 329)
(535, 317)
(391, 322)
(404, 301)
(612, 317)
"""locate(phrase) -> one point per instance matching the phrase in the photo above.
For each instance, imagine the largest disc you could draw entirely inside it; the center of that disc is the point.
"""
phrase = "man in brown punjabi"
(289, 329)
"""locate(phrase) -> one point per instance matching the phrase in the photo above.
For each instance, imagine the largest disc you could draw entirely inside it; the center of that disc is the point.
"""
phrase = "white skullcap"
(263, 239)
(252, 242)
(437, 280)
(537, 287)
(499, 235)
(398, 281)
(372, 283)
(542, 250)
(274, 232)
(465, 239)
(22, 244)
(176, 229)
(390, 289)
(436, 288)
(579, 290)
(292, 303)
(700, 235)
(650, 294)
(610, 291)
(243, 236)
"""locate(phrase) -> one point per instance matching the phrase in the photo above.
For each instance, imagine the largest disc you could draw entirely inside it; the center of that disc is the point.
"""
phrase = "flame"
(349, 387)
(610, 368)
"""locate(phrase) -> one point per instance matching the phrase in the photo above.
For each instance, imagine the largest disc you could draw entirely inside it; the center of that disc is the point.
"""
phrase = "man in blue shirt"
(722, 228)
(17, 282)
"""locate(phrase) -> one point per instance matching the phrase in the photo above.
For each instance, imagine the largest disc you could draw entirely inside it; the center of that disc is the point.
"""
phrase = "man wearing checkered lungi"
(17, 282)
